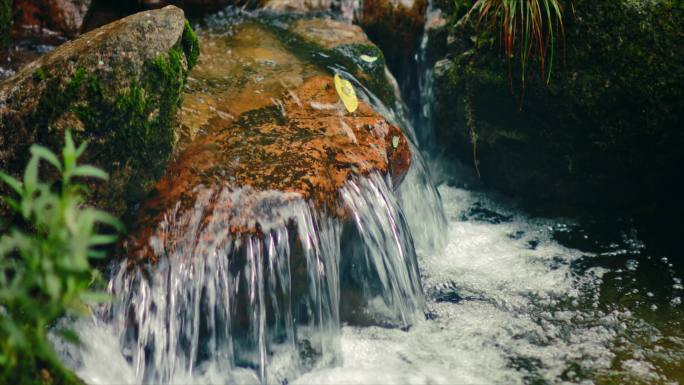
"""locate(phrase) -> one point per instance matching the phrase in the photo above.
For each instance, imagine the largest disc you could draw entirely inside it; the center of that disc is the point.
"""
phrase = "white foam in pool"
(474, 340)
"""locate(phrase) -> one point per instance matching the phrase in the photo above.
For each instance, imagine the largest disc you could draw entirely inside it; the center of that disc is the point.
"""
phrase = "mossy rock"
(606, 132)
(119, 87)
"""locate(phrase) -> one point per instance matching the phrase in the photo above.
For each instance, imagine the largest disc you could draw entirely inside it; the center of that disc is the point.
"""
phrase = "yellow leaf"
(346, 92)
(368, 59)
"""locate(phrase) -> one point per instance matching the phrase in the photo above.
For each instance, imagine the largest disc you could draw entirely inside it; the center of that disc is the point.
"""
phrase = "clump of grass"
(529, 28)
(45, 269)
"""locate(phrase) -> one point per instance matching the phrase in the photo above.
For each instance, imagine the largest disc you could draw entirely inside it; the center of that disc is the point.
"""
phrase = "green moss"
(6, 21)
(191, 46)
(371, 74)
(132, 130)
(611, 116)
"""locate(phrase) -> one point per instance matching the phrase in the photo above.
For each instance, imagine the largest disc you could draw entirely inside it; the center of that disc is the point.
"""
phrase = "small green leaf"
(70, 336)
(97, 254)
(95, 297)
(108, 219)
(90, 172)
(97, 240)
(44, 153)
(13, 204)
(81, 149)
(10, 181)
(31, 175)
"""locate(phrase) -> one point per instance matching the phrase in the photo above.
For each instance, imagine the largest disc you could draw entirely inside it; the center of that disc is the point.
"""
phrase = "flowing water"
(422, 285)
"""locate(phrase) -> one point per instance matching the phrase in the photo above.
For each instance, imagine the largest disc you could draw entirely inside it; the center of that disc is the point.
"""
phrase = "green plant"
(527, 26)
(45, 269)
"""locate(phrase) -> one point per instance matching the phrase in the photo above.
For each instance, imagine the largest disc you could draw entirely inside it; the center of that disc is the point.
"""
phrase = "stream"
(435, 282)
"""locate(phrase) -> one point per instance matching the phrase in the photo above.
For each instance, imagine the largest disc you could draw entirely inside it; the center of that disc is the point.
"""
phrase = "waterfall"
(266, 303)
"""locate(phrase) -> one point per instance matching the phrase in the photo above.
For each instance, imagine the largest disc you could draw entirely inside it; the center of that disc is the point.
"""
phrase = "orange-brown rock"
(306, 147)
(263, 126)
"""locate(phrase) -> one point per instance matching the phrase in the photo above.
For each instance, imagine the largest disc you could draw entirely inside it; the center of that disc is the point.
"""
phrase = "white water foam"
(485, 318)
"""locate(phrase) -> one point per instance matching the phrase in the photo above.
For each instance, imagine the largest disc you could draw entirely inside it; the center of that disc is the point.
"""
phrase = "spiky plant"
(527, 27)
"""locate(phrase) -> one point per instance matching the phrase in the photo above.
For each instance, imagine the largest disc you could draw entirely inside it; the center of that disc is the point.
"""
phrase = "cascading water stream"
(269, 303)
(265, 306)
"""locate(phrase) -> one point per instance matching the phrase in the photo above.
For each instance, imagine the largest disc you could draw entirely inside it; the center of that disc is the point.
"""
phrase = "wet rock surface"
(117, 87)
(266, 126)
(396, 26)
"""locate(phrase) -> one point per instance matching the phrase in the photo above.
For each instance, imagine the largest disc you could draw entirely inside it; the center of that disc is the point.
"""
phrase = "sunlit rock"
(261, 117)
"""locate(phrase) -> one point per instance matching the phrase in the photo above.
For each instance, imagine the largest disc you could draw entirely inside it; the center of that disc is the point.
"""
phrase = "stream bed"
(510, 298)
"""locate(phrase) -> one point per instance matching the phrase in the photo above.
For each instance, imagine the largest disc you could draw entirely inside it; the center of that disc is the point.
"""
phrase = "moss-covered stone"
(605, 132)
(120, 88)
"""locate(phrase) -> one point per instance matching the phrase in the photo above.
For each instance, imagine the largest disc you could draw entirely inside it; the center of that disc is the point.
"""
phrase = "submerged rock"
(606, 132)
(119, 87)
(263, 122)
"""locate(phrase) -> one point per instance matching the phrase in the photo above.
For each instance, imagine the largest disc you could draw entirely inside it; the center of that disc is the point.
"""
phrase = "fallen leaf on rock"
(346, 92)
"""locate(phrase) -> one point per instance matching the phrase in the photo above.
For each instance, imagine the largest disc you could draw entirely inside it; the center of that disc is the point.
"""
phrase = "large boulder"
(118, 87)
(265, 122)
(606, 132)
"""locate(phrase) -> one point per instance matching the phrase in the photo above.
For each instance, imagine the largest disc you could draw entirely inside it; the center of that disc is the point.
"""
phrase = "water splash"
(269, 303)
